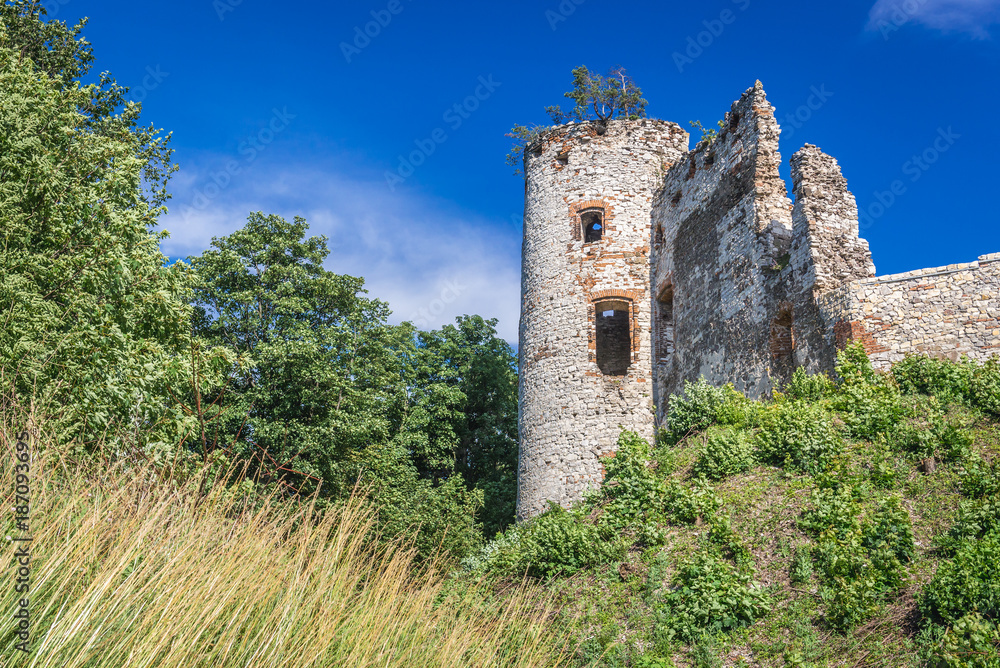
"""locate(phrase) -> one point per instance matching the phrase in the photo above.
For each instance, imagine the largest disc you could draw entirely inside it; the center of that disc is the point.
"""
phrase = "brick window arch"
(591, 220)
(613, 341)
(593, 225)
(613, 336)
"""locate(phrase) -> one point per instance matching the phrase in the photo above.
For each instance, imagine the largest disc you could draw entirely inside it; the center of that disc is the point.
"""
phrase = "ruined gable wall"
(721, 226)
(570, 414)
(826, 253)
(941, 312)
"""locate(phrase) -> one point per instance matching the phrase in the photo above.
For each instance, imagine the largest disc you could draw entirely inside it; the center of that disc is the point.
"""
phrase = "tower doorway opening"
(614, 337)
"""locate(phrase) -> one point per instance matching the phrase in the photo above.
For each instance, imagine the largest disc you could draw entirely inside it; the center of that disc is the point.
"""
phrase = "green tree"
(333, 395)
(325, 383)
(470, 369)
(596, 97)
(92, 314)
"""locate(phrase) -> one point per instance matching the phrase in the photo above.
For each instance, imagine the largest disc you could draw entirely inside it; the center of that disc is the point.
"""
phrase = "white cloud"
(427, 258)
(969, 16)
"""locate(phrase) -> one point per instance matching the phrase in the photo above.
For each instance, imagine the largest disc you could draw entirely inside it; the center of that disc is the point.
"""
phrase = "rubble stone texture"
(703, 268)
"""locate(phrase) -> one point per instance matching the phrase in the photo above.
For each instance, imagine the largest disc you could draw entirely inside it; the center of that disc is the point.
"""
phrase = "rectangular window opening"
(614, 338)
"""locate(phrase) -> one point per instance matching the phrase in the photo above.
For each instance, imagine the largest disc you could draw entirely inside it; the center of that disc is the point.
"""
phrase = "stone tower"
(585, 352)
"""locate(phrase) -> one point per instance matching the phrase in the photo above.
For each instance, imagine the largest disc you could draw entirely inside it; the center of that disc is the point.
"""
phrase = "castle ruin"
(645, 265)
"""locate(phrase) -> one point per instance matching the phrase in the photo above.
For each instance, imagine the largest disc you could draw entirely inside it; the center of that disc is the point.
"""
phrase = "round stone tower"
(584, 355)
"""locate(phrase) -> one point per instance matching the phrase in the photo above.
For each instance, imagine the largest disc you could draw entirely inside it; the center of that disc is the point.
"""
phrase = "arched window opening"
(782, 337)
(614, 337)
(665, 327)
(593, 225)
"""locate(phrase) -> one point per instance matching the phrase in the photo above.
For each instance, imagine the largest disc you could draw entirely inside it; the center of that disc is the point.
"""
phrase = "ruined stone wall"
(942, 312)
(722, 230)
(826, 253)
(570, 412)
(703, 268)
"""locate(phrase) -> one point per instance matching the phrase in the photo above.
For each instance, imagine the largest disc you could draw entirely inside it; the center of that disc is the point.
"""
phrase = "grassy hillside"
(131, 569)
(848, 524)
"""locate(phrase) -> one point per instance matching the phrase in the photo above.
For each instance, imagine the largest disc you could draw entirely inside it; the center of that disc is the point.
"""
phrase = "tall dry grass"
(129, 570)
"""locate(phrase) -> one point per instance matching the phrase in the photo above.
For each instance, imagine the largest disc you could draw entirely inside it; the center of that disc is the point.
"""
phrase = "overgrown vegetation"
(128, 570)
(596, 97)
(808, 529)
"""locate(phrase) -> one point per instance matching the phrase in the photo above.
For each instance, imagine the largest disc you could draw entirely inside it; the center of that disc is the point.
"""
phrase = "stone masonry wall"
(721, 226)
(944, 312)
(826, 253)
(570, 413)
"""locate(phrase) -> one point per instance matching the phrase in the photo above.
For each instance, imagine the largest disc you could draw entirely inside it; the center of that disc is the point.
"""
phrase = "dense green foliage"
(251, 355)
(93, 318)
(790, 527)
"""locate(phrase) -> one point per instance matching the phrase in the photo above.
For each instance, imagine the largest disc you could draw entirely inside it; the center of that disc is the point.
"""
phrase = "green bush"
(965, 382)
(721, 535)
(859, 562)
(854, 367)
(797, 435)
(736, 410)
(890, 530)
(849, 602)
(801, 570)
(695, 411)
(976, 518)
(979, 478)
(685, 505)
(726, 452)
(948, 381)
(558, 542)
(986, 387)
(927, 432)
(884, 472)
(631, 489)
(709, 595)
(971, 642)
(869, 410)
(969, 582)
(869, 403)
(809, 388)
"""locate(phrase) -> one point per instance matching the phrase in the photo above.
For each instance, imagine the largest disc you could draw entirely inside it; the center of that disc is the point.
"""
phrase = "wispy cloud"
(427, 258)
(969, 16)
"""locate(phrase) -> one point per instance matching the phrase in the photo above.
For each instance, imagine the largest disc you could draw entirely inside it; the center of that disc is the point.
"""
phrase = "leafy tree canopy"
(91, 312)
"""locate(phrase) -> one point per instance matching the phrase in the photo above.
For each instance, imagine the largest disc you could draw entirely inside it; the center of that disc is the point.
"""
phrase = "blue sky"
(271, 111)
